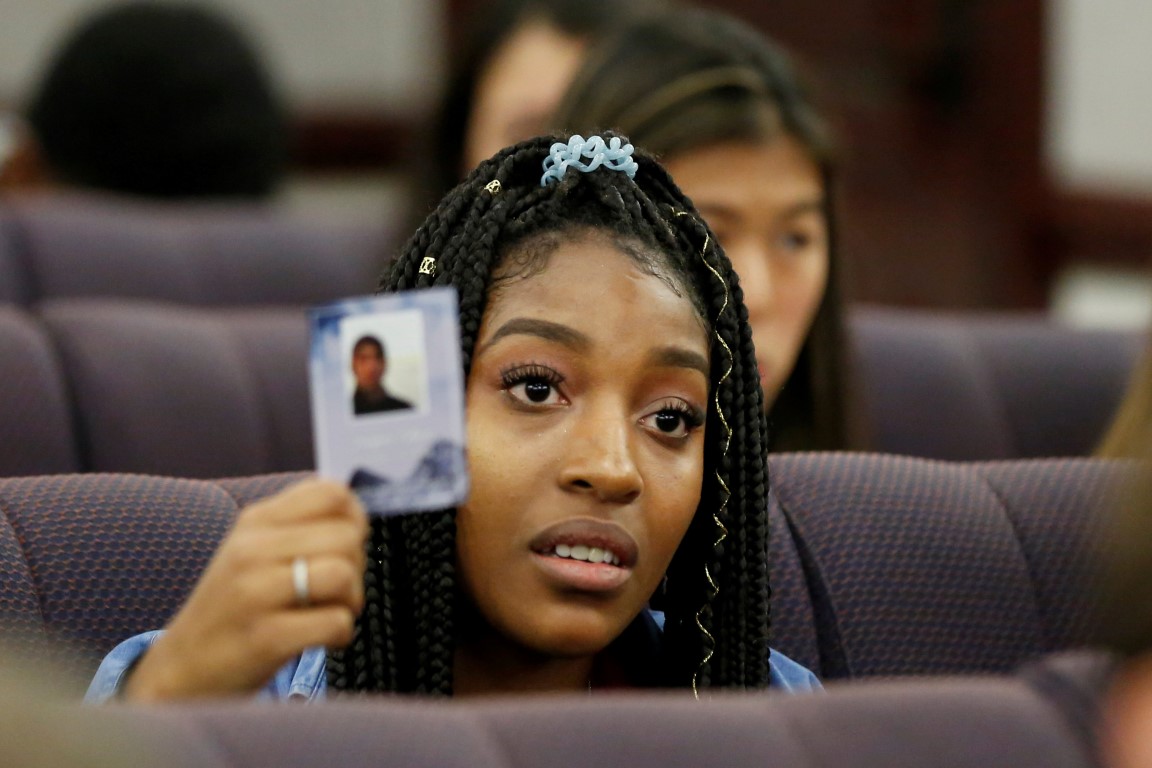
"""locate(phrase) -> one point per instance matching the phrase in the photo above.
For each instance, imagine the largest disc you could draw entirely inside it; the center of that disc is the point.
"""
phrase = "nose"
(599, 460)
(753, 264)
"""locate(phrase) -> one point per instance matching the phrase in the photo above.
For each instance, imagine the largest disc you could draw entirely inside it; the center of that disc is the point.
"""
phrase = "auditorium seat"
(950, 723)
(986, 385)
(881, 565)
(208, 254)
(14, 287)
(885, 565)
(185, 391)
(36, 432)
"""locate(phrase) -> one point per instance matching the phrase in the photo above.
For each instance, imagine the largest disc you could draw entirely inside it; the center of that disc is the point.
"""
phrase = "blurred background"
(996, 152)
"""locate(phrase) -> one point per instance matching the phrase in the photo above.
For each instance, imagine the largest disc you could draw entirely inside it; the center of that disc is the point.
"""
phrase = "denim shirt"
(304, 678)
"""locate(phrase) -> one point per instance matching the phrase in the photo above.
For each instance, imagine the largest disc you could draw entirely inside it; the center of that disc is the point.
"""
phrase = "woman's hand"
(243, 620)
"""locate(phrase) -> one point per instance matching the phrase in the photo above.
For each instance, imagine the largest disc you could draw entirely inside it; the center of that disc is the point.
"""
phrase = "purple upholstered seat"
(80, 246)
(884, 565)
(92, 559)
(36, 434)
(186, 391)
(881, 565)
(13, 279)
(986, 386)
(945, 724)
(912, 566)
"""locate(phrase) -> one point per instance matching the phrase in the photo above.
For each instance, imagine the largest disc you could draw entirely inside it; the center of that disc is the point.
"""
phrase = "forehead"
(590, 283)
(770, 173)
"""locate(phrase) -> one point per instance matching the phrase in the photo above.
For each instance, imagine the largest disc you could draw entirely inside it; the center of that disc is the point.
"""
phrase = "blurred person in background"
(1105, 694)
(729, 117)
(518, 58)
(1130, 434)
(157, 100)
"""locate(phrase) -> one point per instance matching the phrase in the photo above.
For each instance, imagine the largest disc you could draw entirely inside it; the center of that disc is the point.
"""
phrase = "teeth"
(587, 554)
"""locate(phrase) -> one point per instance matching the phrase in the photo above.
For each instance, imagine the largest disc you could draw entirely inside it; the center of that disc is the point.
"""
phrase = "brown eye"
(668, 421)
(537, 391)
(533, 385)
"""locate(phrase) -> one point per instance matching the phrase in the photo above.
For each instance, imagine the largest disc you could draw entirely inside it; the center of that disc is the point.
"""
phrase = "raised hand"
(253, 609)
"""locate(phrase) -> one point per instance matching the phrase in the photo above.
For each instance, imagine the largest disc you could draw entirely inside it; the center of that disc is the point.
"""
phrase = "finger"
(280, 543)
(328, 581)
(288, 633)
(312, 499)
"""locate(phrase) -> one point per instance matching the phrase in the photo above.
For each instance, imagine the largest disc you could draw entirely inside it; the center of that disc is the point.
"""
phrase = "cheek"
(674, 501)
(803, 287)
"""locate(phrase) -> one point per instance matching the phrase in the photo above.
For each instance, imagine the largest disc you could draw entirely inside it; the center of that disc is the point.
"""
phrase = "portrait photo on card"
(387, 370)
(388, 399)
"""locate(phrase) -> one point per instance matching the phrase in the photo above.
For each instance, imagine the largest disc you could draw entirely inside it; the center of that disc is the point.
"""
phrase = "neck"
(488, 668)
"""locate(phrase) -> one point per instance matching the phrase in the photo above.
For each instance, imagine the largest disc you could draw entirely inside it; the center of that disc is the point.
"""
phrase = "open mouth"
(585, 553)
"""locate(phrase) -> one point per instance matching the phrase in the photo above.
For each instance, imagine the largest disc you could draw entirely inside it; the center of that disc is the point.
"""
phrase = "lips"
(585, 554)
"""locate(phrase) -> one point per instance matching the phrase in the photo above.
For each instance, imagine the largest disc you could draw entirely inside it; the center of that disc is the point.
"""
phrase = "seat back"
(239, 255)
(186, 391)
(90, 560)
(912, 566)
(984, 386)
(36, 432)
(882, 565)
(13, 280)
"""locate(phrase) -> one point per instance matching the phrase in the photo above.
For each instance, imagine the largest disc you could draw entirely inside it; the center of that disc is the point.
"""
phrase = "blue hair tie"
(615, 156)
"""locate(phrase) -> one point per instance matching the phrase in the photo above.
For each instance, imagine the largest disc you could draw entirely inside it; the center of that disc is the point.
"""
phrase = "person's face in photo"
(367, 366)
(586, 450)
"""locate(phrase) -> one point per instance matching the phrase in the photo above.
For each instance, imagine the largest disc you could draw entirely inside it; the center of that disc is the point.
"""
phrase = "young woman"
(616, 449)
(723, 109)
(518, 58)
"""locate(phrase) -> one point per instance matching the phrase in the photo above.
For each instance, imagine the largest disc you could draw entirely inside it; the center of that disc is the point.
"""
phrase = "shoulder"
(786, 675)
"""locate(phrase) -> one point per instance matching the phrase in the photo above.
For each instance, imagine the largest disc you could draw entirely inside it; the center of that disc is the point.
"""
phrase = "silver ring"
(300, 581)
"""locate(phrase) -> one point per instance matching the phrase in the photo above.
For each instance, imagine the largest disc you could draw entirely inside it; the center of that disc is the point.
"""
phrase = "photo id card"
(388, 399)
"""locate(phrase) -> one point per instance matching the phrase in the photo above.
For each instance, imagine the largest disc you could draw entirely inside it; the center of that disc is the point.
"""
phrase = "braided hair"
(716, 594)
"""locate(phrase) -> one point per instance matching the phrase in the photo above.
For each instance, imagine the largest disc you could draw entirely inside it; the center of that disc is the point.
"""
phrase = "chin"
(575, 634)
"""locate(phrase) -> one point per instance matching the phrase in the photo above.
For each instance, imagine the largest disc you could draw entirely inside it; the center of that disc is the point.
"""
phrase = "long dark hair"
(696, 78)
(716, 596)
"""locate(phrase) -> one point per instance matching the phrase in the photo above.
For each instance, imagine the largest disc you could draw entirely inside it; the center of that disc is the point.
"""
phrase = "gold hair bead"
(428, 266)
(493, 187)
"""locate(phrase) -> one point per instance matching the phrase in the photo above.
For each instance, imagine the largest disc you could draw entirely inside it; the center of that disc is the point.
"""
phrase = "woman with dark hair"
(513, 67)
(724, 110)
(616, 449)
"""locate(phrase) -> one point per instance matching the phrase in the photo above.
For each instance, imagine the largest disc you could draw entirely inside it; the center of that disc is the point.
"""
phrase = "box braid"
(714, 637)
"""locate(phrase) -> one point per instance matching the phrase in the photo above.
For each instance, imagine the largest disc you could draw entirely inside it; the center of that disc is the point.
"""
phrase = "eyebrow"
(816, 205)
(667, 357)
(678, 357)
(544, 329)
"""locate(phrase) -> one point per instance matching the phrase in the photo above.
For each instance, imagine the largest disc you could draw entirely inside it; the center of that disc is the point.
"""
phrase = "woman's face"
(766, 204)
(586, 404)
(519, 89)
